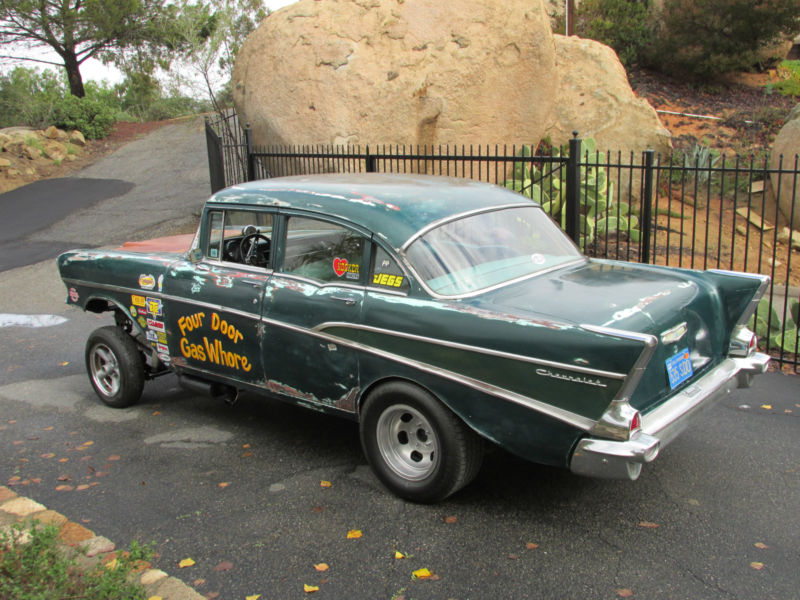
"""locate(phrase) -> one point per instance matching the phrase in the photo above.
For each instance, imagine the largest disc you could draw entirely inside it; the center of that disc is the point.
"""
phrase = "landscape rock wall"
(24, 152)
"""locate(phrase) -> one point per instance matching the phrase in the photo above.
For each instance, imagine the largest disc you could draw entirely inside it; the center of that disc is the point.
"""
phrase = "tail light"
(636, 423)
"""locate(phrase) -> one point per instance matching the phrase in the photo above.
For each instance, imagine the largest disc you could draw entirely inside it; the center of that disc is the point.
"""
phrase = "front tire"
(415, 445)
(115, 366)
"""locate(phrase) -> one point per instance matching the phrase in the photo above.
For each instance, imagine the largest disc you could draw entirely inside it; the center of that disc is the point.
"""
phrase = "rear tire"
(115, 366)
(415, 445)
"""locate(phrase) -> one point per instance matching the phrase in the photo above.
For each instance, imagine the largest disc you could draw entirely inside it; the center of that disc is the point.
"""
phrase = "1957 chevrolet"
(438, 313)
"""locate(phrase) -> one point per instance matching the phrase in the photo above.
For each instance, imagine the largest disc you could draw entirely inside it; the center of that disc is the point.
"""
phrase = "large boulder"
(420, 72)
(385, 71)
(596, 99)
(786, 185)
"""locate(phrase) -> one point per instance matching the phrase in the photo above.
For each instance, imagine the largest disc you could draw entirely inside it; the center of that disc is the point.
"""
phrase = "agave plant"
(599, 214)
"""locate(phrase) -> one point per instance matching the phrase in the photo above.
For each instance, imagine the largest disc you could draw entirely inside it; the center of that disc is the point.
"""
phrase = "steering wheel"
(252, 252)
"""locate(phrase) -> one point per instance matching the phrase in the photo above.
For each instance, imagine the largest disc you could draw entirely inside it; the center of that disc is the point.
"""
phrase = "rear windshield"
(487, 249)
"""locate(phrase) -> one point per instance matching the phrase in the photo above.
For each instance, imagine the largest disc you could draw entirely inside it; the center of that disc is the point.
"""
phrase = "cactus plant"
(599, 215)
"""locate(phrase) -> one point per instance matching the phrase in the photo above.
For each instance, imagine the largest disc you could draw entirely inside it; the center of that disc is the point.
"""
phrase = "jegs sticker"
(388, 280)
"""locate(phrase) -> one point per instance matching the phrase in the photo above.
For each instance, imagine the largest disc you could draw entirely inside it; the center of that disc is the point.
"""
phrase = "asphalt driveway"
(239, 489)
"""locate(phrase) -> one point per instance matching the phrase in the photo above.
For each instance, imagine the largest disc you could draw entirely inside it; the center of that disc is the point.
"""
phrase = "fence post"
(647, 205)
(251, 159)
(573, 191)
(370, 161)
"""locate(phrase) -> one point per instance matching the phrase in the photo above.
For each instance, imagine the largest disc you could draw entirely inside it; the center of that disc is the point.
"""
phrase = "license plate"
(679, 368)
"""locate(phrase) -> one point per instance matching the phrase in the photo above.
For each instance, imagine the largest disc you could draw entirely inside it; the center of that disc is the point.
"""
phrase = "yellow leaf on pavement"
(398, 555)
(324, 483)
(310, 589)
(648, 525)
(186, 562)
(761, 545)
(422, 573)
(321, 566)
(766, 406)
(756, 565)
(354, 534)
(155, 598)
(253, 597)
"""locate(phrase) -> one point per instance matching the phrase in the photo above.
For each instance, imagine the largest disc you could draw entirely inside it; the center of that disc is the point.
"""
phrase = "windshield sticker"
(388, 280)
(147, 282)
(212, 349)
(341, 266)
(538, 259)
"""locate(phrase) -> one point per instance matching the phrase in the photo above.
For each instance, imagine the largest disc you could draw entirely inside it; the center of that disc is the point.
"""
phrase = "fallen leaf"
(252, 597)
(756, 565)
(317, 509)
(310, 589)
(247, 454)
(766, 406)
(64, 488)
(422, 573)
(63, 460)
(321, 567)
(48, 455)
(648, 525)
(531, 546)
(324, 483)
(82, 487)
(788, 411)
(17, 442)
(225, 565)
(155, 598)
(199, 582)
(223, 484)
(89, 443)
(354, 534)
(398, 555)
(513, 556)
(245, 445)
(156, 413)
(48, 428)
(451, 519)
(761, 545)
(64, 478)
(186, 562)
(64, 363)
(624, 593)
(113, 457)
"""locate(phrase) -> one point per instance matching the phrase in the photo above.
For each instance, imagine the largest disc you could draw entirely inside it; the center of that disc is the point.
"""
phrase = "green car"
(439, 313)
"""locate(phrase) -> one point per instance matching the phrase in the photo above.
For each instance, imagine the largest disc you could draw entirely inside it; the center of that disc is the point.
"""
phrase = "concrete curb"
(158, 585)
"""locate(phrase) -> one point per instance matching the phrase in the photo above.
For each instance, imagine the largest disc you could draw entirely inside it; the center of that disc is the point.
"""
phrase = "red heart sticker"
(339, 266)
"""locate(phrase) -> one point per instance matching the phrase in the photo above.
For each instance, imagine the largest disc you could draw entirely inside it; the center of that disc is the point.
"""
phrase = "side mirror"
(195, 255)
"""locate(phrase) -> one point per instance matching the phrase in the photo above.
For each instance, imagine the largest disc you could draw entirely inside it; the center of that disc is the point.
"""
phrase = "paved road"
(241, 485)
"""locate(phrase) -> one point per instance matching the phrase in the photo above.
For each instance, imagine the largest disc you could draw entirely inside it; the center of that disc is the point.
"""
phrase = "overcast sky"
(94, 69)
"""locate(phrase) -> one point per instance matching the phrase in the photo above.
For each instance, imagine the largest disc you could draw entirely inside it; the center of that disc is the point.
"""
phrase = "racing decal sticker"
(341, 266)
(142, 322)
(153, 324)
(161, 336)
(154, 306)
(388, 280)
(133, 311)
(151, 335)
(137, 300)
(73, 294)
(162, 348)
(164, 357)
(160, 282)
(214, 347)
(147, 282)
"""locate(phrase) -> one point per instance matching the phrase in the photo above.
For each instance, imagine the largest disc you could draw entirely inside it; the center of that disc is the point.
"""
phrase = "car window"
(386, 272)
(240, 236)
(323, 251)
(486, 249)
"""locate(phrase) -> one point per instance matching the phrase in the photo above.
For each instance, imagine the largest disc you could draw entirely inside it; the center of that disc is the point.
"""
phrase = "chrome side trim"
(152, 293)
(565, 416)
(469, 213)
(623, 459)
(476, 349)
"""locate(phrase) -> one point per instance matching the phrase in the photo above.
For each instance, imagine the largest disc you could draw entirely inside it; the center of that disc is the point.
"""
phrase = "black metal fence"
(704, 211)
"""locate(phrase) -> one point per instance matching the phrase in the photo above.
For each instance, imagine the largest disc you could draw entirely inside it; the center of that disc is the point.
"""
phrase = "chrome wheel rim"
(104, 368)
(407, 442)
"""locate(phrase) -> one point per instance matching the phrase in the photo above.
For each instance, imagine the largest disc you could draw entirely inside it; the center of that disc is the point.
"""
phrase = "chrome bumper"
(613, 459)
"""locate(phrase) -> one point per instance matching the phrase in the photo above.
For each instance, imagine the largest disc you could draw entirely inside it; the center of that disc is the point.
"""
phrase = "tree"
(81, 29)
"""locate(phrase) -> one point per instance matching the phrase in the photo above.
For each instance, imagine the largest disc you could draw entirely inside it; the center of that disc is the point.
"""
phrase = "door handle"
(346, 300)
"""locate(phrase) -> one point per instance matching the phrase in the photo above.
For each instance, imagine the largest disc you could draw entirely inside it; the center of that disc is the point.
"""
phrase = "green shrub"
(705, 39)
(29, 97)
(621, 24)
(789, 85)
(91, 117)
(34, 566)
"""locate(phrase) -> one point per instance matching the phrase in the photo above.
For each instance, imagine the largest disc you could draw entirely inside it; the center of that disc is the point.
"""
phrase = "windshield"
(487, 249)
